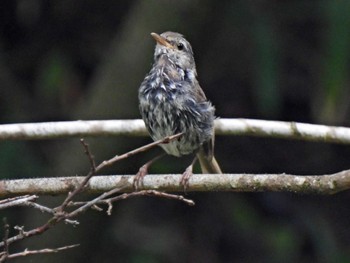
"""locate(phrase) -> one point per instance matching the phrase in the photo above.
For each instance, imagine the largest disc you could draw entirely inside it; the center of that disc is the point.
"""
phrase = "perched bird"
(172, 102)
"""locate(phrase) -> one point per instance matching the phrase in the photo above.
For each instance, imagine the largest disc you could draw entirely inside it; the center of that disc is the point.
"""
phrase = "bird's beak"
(161, 40)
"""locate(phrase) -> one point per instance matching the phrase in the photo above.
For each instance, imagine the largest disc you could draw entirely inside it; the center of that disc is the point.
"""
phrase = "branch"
(261, 128)
(65, 129)
(310, 184)
(27, 252)
(17, 201)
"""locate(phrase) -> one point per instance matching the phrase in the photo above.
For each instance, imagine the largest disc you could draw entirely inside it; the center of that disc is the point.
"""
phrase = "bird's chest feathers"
(165, 85)
(166, 91)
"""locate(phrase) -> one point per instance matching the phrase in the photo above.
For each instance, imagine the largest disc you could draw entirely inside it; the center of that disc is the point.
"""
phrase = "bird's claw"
(186, 177)
(138, 179)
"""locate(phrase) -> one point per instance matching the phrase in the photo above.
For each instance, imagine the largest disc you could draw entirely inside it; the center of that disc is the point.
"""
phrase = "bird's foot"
(143, 171)
(186, 177)
(138, 179)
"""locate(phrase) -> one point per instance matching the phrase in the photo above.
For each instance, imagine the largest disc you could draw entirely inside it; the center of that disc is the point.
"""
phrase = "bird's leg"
(143, 171)
(187, 174)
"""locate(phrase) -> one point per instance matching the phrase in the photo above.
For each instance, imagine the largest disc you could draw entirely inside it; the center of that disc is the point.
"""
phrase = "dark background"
(264, 59)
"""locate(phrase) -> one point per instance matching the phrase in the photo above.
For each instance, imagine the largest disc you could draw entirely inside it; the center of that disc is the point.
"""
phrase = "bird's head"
(176, 48)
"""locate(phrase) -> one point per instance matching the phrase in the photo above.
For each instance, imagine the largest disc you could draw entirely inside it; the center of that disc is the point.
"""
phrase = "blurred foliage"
(335, 81)
(266, 59)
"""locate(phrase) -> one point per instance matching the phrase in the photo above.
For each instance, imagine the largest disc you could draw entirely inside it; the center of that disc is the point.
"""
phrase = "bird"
(171, 101)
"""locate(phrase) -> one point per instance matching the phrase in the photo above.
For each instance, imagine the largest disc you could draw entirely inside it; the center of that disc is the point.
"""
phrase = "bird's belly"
(164, 118)
(166, 122)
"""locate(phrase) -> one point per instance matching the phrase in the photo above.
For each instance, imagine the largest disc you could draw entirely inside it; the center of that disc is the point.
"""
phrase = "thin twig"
(89, 154)
(5, 254)
(93, 202)
(151, 193)
(138, 150)
(27, 200)
(17, 201)
(82, 185)
(27, 252)
(103, 200)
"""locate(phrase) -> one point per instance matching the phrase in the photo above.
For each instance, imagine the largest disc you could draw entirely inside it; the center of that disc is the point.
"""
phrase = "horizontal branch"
(313, 184)
(64, 129)
(248, 127)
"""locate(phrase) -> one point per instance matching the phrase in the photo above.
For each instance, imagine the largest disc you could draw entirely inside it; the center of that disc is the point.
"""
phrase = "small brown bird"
(172, 102)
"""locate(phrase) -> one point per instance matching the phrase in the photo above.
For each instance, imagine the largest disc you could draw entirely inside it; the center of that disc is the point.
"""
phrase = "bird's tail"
(208, 164)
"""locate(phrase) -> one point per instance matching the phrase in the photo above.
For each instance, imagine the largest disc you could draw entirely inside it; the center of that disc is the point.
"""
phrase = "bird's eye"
(180, 46)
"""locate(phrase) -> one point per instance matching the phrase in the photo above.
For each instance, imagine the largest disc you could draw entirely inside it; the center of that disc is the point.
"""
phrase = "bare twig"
(28, 200)
(110, 201)
(88, 153)
(138, 150)
(17, 201)
(5, 254)
(27, 252)
(93, 202)
(151, 193)
(82, 185)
